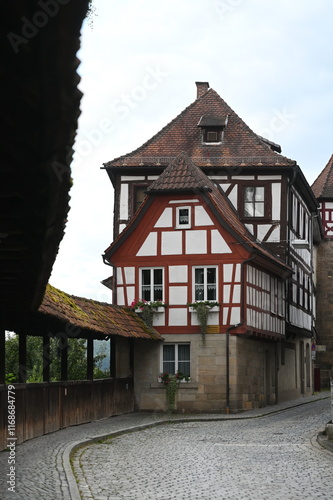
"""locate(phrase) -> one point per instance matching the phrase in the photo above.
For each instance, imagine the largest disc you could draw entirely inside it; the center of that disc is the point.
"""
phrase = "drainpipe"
(227, 410)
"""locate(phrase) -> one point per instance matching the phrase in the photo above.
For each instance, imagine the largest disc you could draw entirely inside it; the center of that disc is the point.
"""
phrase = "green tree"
(77, 359)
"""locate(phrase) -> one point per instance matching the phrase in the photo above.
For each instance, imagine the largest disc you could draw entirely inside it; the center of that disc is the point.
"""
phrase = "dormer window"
(212, 129)
(183, 217)
(211, 135)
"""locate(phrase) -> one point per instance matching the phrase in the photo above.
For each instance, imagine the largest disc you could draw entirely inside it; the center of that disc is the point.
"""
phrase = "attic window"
(183, 217)
(211, 135)
(212, 128)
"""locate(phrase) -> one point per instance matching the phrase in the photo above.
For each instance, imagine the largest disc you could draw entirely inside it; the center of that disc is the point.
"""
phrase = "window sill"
(182, 385)
(212, 143)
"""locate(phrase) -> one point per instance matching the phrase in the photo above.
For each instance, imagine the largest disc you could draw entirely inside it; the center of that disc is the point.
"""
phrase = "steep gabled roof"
(182, 175)
(239, 145)
(323, 185)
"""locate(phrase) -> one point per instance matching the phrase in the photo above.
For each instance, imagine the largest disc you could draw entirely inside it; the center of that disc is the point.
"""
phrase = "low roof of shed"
(82, 318)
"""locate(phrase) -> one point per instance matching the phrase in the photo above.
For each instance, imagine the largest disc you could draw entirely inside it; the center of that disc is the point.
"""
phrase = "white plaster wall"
(201, 217)
(165, 219)
(263, 230)
(130, 294)
(227, 272)
(236, 298)
(171, 243)
(226, 293)
(149, 247)
(120, 296)
(177, 317)
(178, 274)
(219, 244)
(275, 234)
(276, 201)
(233, 196)
(159, 319)
(123, 201)
(130, 275)
(178, 295)
(235, 315)
(196, 242)
(119, 276)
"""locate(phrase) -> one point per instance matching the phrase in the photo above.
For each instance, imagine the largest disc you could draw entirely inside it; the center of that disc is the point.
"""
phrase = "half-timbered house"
(208, 211)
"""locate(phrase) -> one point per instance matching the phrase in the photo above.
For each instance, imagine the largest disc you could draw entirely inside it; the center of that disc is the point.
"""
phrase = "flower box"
(210, 309)
(139, 310)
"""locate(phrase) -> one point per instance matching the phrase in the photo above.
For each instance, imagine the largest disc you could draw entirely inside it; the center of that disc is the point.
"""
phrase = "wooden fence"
(41, 408)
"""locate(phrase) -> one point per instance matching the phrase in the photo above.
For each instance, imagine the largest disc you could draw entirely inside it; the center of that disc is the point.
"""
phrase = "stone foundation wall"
(324, 322)
(260, 374)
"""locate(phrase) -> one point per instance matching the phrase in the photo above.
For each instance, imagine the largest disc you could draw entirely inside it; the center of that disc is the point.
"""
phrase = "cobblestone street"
(266, 458)
(254, 456)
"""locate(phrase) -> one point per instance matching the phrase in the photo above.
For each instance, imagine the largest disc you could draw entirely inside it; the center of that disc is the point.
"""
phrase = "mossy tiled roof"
(91, 317)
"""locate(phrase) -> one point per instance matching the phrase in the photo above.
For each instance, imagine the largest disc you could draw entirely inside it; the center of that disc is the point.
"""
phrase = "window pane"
(211, 292)
(146, 276)
(168, 353)
(184, 367)
(259, 209)
(211, 275)
(184, 352)
(249, 194)
(158, 284)
(158, 276)
(183, 216)
(249, 209)
(146, 288)
(146, 293)
(259, 193)
(199, 276)
(158, 293)
(169, 359)
(199, 292)
(184, 359)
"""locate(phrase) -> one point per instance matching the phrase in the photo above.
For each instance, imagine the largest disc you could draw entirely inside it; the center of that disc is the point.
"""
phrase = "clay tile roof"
(240, 144)
(91, 317)
(181, 175)
(323, 185)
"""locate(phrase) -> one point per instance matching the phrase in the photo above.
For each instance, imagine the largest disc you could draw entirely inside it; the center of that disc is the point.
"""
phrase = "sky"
(270, 61)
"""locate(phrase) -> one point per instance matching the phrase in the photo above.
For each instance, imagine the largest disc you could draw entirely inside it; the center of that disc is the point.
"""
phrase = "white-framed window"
(183, 217)
(254, 201)
(176, 358)
(205, 283)
(151, 283)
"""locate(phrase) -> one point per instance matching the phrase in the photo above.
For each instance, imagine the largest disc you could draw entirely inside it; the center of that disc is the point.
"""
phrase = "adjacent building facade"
(323, 190)
(209, 212)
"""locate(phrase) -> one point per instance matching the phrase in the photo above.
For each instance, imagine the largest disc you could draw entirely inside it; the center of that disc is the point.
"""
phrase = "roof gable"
(239, 145)
(182, 175)
(323, 185)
